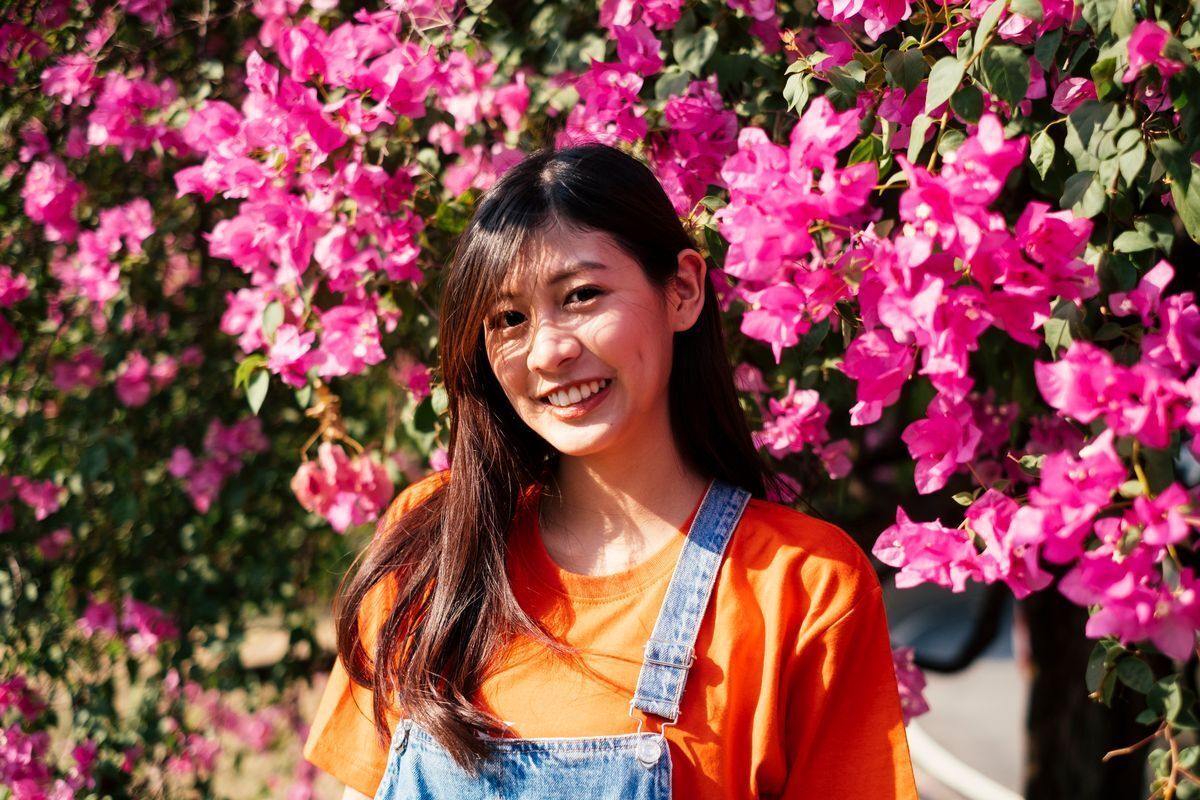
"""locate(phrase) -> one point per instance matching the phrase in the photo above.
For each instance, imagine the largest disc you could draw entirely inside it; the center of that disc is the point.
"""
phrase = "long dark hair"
(455, 610)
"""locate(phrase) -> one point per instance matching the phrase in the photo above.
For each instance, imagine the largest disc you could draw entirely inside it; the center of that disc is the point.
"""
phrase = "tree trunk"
(1068, 734)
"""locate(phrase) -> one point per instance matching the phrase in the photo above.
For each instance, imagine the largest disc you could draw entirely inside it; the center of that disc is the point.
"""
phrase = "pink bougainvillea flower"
(10, 341)
(1146, 46)
(412, 375)
(1072, 93)
(50, 195)
(82, 370)
(133, 380)
(54, 544)
(44, 497)
(941, 442)
(609, 110)
(911, 681)
(346, 491)
(1162, 519)
(927, 552)
(1131, 601)
(1144, 299)
(98, 617)
(147, 626)
(71, 80)
(1174, 346)
(1072, 490)
(662, 14)
(880, 366)
(1012, 536)
(776, 316)
(796, 421)
(1080, 383)
(14, 287)
(289, 356)
(638, 48)
(349, 341)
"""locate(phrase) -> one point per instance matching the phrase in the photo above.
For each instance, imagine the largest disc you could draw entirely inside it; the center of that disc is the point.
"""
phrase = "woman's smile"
(578, 399)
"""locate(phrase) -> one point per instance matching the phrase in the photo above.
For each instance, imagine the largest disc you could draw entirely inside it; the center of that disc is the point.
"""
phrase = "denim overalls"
(630, 766)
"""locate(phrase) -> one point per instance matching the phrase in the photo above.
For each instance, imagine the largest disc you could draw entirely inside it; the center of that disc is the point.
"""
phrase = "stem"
(1133, 748)
(1137, 468)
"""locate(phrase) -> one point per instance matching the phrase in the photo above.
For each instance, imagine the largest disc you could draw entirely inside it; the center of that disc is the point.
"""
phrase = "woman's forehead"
(558, 254)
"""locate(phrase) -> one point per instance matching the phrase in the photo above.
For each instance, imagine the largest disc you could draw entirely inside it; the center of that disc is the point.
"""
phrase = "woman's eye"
(508, 319)
(583, 294)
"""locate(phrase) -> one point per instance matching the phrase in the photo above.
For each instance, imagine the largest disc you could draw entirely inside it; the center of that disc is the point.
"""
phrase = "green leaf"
(1084, 195)
(964, 498)
(693, 50)
(1132, 242)
(1185, 182)
(1042, 151)
(1103, 74)
(1028, 8)
(916, 135)
(1123, 18)
(248, 365)
(1131, 162)
(951, 140)
(439, 400)
(796, 91)
(1006, 72)
(1085, 128)
(1147, 717)
(943, 81)
(272, 317)
(1031, 462)
(1046, 47)
(1058, 334)
(905, 69)
(968, 103)
(1135, 673)
(1098, 13)
(304, 395)
(256, 390)
(1130, 489)
(868, 149)
(673, 81)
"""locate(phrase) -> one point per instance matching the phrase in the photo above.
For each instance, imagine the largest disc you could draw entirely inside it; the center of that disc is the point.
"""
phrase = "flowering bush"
(946, 236)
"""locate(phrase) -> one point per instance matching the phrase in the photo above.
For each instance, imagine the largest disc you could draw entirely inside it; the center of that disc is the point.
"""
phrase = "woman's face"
(581, 342)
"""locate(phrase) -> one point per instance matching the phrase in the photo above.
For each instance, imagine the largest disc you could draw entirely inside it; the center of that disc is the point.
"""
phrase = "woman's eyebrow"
(570, 271)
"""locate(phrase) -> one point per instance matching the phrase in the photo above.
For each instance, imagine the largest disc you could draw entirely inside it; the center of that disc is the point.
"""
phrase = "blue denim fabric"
(630, 766)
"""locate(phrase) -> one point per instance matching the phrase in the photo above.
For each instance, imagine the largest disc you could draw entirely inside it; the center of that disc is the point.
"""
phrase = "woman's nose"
(551, 347)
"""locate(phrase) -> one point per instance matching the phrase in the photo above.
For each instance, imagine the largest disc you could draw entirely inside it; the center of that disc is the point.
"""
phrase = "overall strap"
(671, 649)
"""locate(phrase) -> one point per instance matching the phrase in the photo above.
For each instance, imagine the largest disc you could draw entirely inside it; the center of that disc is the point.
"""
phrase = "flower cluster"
(345, 490)
(224, 448)
(143, 626)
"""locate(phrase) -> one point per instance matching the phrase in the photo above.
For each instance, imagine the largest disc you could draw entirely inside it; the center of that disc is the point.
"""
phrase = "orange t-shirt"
(792, 694)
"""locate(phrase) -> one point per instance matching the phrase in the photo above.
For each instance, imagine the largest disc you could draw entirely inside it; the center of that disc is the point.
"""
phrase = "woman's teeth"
(576, 393)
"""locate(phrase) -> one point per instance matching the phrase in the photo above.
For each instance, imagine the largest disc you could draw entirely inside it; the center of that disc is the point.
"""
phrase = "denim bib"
(629, 766)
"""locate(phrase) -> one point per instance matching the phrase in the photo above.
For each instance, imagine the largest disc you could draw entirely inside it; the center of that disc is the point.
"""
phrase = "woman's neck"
(609, 512)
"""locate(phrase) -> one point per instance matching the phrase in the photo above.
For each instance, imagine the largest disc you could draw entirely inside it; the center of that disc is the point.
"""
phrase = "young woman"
(596, 600)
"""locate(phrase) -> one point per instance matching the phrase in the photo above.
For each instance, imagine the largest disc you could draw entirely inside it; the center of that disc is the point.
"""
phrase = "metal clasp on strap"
(691, 655)
(650, 746)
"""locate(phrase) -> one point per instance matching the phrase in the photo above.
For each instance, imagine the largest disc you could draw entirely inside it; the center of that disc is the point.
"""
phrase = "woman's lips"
(576, 410)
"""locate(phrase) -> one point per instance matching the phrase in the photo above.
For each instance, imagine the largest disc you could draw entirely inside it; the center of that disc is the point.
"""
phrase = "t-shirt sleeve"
(342, 739)
(847, 739)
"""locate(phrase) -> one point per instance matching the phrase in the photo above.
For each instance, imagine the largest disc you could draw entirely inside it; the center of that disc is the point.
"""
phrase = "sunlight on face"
(580, 343)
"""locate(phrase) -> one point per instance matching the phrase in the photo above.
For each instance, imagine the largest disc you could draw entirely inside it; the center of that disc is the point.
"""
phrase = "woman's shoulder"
(412, 496)
(810, 559)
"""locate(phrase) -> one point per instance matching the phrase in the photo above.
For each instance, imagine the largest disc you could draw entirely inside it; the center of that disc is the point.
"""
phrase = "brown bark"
(1068, 733)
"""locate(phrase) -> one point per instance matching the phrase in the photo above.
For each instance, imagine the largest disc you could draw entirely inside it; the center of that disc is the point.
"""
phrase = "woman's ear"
(685, 292)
